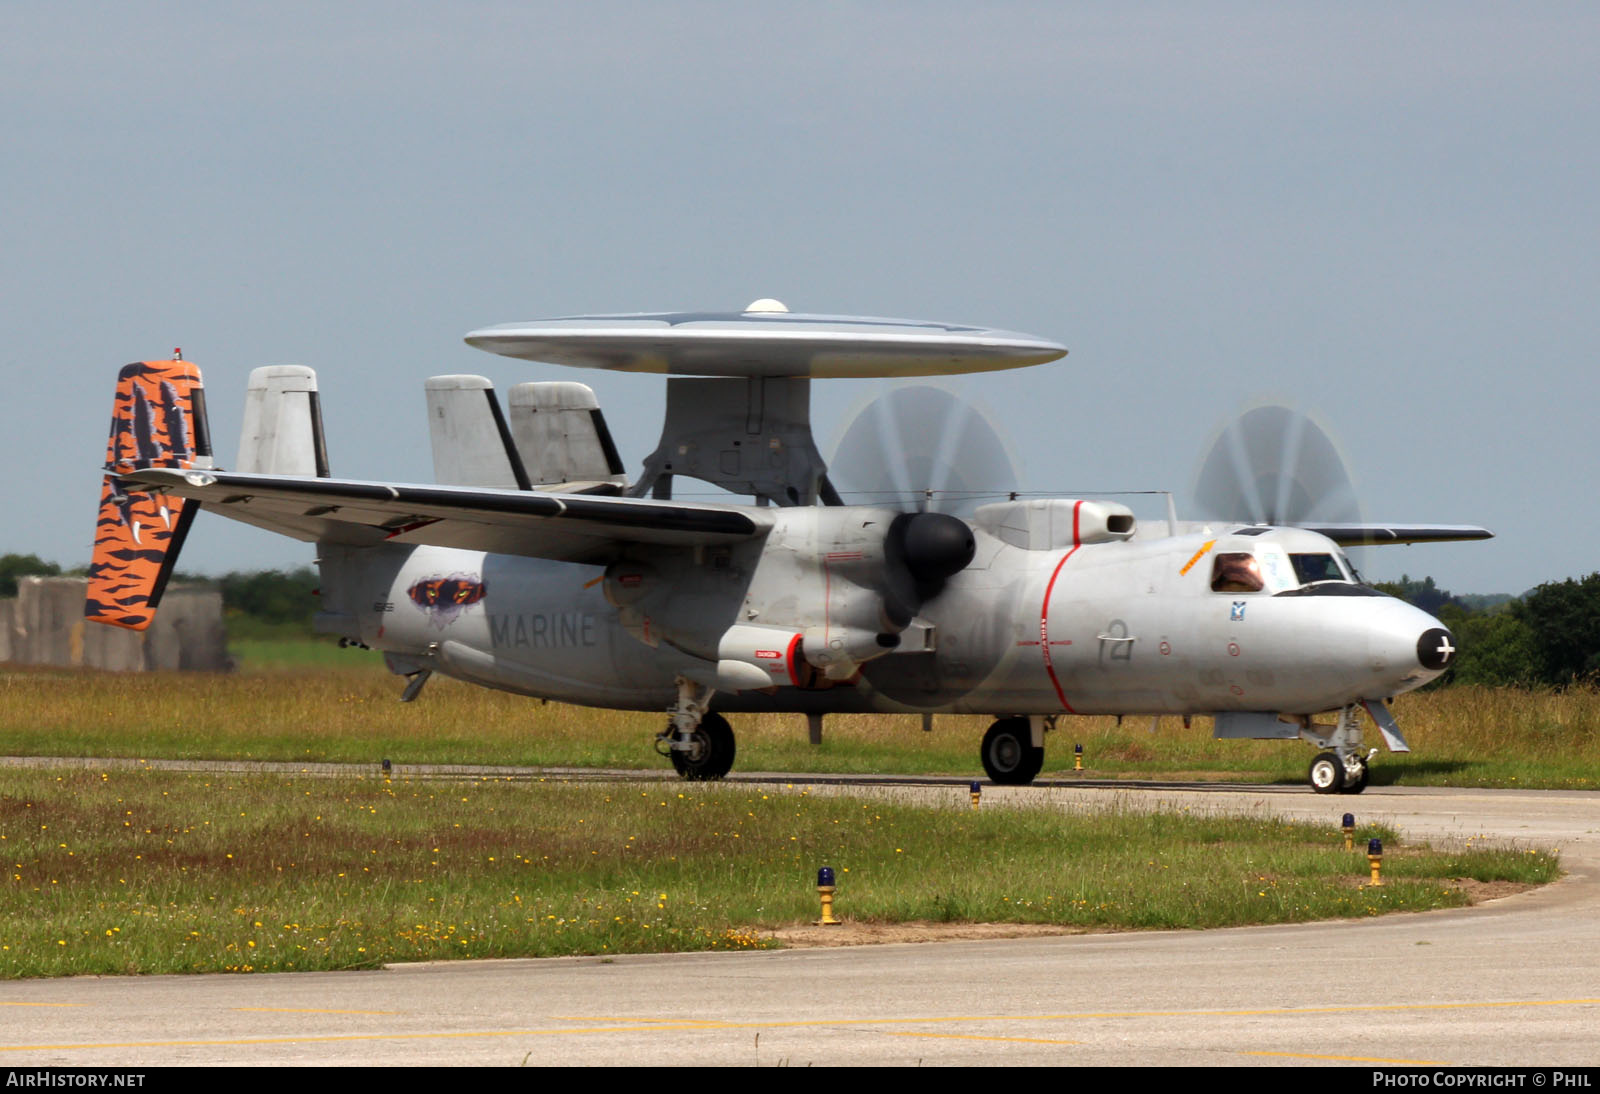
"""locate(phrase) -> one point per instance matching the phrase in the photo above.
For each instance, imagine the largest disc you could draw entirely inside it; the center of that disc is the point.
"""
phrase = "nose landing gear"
(1342, 769)
(1332, 774)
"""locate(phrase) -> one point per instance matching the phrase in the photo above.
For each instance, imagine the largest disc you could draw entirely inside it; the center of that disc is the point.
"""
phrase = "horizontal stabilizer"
(1356, 535)
(563, 436)
(569, 527)
(158, 420)
(282, 431)
(472, 443)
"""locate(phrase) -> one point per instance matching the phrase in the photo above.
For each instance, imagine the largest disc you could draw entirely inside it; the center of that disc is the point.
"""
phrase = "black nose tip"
(1436, 649)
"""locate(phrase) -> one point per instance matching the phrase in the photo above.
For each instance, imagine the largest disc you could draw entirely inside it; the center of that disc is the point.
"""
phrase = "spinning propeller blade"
(922, 448)
(1274, 465)
(932, 455)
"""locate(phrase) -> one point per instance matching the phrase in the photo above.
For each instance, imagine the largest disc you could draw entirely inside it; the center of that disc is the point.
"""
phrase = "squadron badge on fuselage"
(444, 598)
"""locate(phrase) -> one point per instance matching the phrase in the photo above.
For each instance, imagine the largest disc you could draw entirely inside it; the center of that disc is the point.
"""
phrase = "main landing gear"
(1009, 755)
(1343, 768)
(710, 752)
(699, 742)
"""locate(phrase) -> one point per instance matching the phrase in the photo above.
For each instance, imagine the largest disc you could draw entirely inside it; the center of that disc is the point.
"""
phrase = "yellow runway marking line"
(309, 1010)
(642, 1025)
(676, 1022)
(1369, 1007)
(980, 1037)
(5, 1003)
(1353, 1059)
(345, 1038)
(225, 1042)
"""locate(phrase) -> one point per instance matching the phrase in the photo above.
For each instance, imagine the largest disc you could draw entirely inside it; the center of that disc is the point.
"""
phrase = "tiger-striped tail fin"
(157, 420)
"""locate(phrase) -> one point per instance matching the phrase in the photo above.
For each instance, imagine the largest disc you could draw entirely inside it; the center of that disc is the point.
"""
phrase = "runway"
(1512, 982)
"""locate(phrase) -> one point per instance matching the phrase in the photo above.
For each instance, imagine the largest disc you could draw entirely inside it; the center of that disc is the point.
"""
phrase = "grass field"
(139, 871)
(144, 872)
(295, 700)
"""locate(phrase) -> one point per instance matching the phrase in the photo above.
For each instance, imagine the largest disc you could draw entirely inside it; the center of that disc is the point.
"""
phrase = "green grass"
(318, 654)
(145, 872)
(299, 700)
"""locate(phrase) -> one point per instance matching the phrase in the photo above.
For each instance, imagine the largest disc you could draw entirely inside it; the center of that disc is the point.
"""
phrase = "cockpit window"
(1350, 567)
(1311, 569)
(1236, 573)
(1276, 570)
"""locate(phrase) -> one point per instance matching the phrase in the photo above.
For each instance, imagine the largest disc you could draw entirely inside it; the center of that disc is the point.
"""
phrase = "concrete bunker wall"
(44, 625)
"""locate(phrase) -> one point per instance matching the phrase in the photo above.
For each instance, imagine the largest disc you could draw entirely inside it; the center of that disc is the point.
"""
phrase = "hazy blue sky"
(1384, 212)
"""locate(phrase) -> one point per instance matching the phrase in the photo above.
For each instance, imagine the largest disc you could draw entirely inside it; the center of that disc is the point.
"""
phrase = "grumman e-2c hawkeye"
(536, 566)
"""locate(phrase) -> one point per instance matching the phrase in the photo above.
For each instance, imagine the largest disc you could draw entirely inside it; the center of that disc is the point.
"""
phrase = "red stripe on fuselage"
(1044, 614)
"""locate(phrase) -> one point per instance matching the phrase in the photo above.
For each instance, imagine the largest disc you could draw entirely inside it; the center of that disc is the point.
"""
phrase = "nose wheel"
(1355, 782)
(1342, 767)
(1327, 774)
(1331, 775)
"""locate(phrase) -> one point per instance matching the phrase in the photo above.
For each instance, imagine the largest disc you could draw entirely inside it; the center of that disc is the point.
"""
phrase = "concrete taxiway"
(1513, 982)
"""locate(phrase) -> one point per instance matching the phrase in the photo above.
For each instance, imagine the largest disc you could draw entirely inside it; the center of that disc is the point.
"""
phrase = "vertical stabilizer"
(157, 420)
(563, 436)
(472, 443)
(282, 431)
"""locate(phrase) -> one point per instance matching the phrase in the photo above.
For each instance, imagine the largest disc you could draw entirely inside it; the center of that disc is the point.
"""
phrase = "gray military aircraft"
(535, 566)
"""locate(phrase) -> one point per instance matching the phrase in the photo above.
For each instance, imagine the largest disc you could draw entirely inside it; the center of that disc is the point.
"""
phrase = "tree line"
(264, 596)
(1548, 637)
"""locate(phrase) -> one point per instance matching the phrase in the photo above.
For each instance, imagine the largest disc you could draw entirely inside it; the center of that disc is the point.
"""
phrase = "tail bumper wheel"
(1009, 755)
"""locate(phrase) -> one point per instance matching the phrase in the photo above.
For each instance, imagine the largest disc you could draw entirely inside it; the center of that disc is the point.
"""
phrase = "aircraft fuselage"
(1135, 626)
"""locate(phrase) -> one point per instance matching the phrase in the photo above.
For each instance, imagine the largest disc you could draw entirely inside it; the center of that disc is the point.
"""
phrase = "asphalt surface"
(1511, 982)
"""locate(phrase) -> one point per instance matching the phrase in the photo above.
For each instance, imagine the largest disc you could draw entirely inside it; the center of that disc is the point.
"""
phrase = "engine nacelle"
(1051, 524)
(751, 657)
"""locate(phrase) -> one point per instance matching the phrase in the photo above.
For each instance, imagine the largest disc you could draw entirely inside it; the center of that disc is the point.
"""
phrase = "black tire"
(1359, 783)
(710, 755)
(1008, 754)
(1326, 774)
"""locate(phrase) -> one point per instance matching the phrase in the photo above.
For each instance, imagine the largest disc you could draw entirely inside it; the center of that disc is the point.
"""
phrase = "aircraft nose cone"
(1436, 649)
(1407, 647)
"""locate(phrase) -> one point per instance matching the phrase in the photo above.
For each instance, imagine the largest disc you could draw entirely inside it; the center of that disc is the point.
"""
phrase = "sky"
(1381, 214)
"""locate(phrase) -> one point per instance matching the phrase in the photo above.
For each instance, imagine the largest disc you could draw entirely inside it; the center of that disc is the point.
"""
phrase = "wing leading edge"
(565, 527)
(1358, 535)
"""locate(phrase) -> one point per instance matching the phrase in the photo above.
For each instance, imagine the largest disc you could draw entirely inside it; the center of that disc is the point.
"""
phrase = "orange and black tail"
(158, 420)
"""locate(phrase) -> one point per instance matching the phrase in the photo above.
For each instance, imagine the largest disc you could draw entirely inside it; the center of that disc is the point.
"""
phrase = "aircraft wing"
(1356, 535)
(566, 527)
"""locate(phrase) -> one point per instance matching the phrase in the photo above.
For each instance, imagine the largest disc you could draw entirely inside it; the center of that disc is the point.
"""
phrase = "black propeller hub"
(932, 546)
